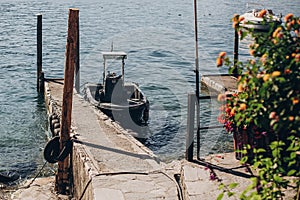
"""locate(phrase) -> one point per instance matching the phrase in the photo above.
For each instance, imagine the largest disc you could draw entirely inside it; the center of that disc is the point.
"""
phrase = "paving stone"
(106, 194)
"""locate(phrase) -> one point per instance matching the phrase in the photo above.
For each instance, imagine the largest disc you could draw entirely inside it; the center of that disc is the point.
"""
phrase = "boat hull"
(132, 110)
(259, 26)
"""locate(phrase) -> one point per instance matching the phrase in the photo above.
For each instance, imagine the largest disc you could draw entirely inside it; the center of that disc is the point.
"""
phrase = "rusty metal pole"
(63, 174)
(39, 51)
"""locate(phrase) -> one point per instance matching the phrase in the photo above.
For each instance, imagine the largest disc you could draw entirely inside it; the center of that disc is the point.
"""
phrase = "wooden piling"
(39, 51)
(77, 68)
(63, 174)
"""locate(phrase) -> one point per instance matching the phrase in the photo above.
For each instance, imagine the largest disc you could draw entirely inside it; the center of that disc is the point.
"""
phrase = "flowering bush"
(267, 106)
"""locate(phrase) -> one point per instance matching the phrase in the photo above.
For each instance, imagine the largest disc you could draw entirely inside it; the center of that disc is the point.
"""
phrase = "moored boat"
(260, 19)
(120, 100)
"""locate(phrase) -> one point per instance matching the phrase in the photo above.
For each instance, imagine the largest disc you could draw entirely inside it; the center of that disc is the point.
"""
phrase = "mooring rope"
(25, 187)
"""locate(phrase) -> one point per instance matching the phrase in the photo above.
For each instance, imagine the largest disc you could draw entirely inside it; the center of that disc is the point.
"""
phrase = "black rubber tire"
(51, 150)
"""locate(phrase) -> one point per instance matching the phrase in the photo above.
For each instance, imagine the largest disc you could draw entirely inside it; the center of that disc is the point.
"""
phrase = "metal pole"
(39, 51)
(190, 127)
(236, 52)
(197, 79)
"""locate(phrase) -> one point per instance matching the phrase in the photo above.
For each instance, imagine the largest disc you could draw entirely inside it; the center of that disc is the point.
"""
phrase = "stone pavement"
(124, 168)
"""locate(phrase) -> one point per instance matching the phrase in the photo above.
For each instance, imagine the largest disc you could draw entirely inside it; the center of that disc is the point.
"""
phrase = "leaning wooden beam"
(63, 174)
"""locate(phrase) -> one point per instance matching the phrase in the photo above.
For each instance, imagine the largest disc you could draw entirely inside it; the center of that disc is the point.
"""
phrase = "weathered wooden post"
(77, 69)
(63, 174)
(190, 127)
(235, 53)
(39, 52)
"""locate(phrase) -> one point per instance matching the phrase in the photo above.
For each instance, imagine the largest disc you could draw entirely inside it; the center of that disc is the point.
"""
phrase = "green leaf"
(291, 163)
(233, 185)
(291, 172)
(220, 196)
(277, 178)
(244, 159)
(221, 186)
(260, 150)
(229, 194)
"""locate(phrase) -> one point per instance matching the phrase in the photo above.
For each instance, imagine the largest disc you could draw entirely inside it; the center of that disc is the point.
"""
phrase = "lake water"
(159, 39)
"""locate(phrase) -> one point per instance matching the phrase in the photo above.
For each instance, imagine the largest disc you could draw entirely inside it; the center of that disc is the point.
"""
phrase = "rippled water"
(159, 39)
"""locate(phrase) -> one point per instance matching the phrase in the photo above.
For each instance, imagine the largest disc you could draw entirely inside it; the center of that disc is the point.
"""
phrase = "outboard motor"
(110, 84)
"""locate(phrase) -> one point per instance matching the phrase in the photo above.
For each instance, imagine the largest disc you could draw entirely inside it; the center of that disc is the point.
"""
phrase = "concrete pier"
(109, 163)
(220, 83)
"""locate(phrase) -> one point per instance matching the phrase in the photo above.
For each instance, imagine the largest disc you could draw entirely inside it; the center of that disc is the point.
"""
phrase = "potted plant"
(264, 115)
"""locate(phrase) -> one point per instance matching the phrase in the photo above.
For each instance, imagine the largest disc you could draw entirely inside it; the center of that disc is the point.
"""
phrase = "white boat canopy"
(114, 55)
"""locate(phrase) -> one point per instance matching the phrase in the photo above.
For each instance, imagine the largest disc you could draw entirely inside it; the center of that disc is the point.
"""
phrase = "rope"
(25, 187)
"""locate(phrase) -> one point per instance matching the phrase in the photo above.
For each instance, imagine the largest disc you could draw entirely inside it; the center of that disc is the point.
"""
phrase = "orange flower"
(232, 112)
(235, 17)
(266, 77)
(276, 31)
(240, 88)
(297, 57)
(291, 118)
(235, 24)
(220, 59)
(252, 51)
(272, 115)
(221, 97)
(259, 76)
(262, 13)
(219, 62)
(276, 73)
(295, 101)
(252, 62)
(263, 59)
(242, 107)
(241, 18)
(222, 54)
(287, 71)
(288, 17)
